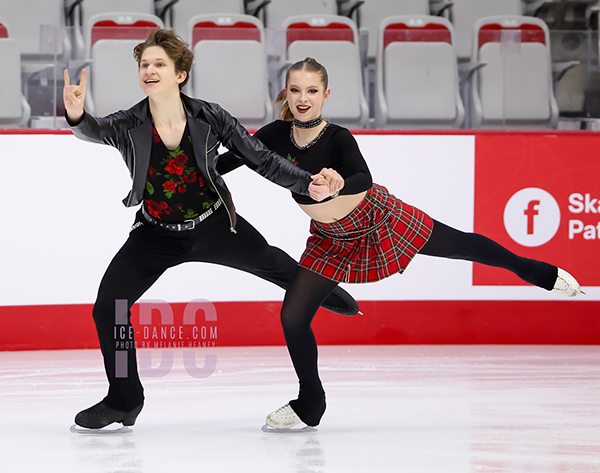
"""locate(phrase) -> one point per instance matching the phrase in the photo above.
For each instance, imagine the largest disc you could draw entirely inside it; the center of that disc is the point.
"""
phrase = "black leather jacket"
(130, 131)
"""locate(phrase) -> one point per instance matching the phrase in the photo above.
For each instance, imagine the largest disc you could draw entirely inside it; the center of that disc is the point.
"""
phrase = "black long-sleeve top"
(335, 148)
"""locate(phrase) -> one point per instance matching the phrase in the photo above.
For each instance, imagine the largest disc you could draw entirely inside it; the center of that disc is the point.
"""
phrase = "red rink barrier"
(257, 323)
(537, 193)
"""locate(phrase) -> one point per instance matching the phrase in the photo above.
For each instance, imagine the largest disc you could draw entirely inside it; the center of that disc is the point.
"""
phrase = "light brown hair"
(177, 49)
(309, 64)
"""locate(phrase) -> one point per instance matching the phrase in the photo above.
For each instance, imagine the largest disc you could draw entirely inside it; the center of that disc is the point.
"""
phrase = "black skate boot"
(101, 415)
(340, 302)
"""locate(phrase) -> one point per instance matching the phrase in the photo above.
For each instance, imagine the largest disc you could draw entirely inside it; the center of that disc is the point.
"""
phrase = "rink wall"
(536, 193)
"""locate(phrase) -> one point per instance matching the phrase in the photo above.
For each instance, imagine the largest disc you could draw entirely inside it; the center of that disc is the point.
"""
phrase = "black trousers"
(145, 256)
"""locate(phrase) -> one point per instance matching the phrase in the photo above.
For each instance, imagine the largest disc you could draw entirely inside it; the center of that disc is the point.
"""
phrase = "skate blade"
(108, 430)
(293, 430)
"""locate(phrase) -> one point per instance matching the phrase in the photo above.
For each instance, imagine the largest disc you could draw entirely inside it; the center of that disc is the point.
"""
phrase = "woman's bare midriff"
(335, 209)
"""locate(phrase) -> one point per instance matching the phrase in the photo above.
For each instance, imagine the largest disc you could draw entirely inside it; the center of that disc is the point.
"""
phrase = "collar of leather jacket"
(192, 107)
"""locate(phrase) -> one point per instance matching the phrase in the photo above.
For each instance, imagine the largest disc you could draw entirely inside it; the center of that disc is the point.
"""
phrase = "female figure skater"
(169, 143)
(360, 233)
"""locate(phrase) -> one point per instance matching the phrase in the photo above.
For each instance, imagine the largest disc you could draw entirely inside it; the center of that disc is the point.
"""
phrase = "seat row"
(508, 81)
(26, 16)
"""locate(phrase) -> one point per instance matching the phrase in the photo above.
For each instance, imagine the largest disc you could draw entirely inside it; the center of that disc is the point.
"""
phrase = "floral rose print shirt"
(175, 189)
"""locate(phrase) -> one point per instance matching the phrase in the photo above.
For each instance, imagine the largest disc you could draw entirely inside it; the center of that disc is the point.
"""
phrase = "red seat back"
(492, 33)
(109, 29)
(332, 32)
(430, 32)
(240, 30)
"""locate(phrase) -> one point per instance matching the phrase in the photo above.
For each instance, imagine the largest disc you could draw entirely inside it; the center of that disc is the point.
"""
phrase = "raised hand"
(74, 96)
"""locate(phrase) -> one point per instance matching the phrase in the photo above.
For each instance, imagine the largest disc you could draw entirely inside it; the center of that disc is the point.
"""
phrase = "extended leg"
(448, 242)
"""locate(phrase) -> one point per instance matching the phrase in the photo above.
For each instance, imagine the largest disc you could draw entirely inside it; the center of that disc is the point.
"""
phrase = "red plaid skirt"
(379, 238)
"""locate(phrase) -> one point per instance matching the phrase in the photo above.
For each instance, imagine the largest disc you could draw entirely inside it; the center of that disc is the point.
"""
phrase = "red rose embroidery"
(173, 168)
(156, 208)
(151, 173)
(169, 186)
(191, 177)
(181, 159)
(181, 190)
(200, 181)
(155, 135)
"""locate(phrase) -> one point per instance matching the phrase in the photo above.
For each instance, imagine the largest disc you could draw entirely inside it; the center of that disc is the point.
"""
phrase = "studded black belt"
(189, 224)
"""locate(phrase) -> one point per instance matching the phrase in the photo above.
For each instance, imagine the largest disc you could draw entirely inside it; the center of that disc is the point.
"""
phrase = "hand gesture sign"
(74, 96)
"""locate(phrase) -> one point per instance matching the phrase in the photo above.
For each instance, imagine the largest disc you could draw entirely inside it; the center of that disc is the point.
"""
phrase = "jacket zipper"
(218, 143)
(206, 151)
(133, 170)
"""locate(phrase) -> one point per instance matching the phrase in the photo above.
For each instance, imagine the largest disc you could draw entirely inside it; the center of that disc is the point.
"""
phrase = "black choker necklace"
(309, 124)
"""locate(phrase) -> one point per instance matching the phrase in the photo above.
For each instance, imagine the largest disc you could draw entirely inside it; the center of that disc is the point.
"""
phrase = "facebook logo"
(531, 211)
(532, 217)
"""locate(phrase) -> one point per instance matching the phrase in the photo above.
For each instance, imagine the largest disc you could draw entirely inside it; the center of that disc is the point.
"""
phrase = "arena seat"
(514, 88)
(38, 27)
(14, 109)
(230, 66)
(113, 78)
(178, 15)
(276, 11)
(466, 12)
(417, 76)
(372, 12)
(333, 41)
(3, 28)
(86, 9)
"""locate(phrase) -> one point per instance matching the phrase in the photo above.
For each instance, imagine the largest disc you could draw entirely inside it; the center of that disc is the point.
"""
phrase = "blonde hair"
(309, 64)
(177, 49)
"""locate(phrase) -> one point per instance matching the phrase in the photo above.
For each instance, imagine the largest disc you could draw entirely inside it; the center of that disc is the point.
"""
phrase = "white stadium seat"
(514, 88)
(113, 77)
(230, 66)
(333, 41)
(38, 27)
(276, 11)
(466, 12)
(14, 109)
(181, 12)
(417, 75)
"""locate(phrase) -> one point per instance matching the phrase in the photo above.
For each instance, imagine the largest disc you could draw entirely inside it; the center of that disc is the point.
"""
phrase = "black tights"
(299, 307)
(447, 242)
(307, 290)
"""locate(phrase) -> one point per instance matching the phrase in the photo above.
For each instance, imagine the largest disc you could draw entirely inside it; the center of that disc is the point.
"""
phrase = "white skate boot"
(285, 420)
(566, 284)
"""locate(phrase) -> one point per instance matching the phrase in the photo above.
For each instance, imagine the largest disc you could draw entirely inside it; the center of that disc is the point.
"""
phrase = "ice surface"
(414, 409)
